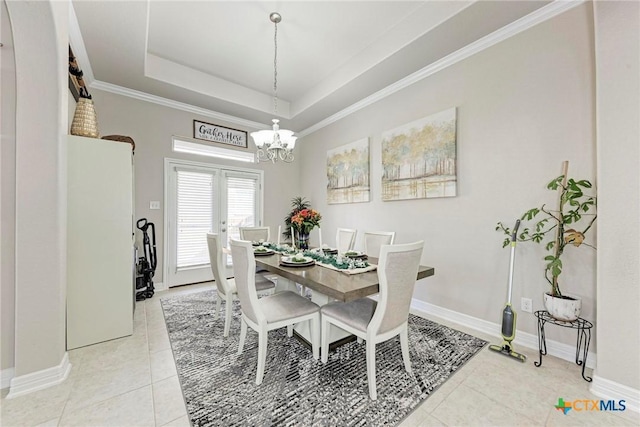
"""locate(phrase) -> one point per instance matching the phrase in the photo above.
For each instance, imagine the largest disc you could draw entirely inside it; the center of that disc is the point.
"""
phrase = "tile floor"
(132, 381)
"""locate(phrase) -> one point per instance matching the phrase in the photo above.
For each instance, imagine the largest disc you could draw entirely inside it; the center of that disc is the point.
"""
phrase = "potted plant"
(302, 219)
(559, 230)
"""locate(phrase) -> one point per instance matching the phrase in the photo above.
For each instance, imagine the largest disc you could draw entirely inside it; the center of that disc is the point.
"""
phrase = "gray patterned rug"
(219, 386)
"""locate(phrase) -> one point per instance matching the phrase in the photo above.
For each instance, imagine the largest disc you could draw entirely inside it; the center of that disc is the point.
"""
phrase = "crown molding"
(543, 14)
(165, 102)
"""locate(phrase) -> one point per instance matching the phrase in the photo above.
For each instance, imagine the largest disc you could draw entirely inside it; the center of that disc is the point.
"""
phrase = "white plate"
(288, 261)
(355, 254)
(267, 252)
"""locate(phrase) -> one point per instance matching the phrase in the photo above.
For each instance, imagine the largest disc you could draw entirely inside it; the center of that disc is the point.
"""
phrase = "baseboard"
(611, 390)
(5, 377)
(39, 380)
(159, 286)
(525, 339)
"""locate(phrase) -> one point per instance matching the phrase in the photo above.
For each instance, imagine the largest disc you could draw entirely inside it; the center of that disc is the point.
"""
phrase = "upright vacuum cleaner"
(508, 315)
(147, 264)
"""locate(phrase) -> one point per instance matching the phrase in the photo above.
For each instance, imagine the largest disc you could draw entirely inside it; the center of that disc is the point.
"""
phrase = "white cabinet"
(99, 241)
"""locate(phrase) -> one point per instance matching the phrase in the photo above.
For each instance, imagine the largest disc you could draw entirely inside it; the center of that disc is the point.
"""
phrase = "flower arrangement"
(302, 218)
(306, 220)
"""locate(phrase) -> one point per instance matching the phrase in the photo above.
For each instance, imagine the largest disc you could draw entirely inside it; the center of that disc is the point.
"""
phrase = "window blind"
(241, 203)
(195, 203)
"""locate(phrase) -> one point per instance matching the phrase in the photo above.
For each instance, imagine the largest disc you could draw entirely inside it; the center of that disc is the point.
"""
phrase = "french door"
(204, 198)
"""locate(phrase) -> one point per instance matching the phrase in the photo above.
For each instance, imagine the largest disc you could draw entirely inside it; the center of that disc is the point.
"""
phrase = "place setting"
(261, 250)
(355, 254)
(297, 260)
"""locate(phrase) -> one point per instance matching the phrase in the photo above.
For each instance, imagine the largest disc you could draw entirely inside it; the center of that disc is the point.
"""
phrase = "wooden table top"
(337, 285)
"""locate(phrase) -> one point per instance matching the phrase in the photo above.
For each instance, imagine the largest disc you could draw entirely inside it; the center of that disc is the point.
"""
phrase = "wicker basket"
(85, 121)
(121, 138)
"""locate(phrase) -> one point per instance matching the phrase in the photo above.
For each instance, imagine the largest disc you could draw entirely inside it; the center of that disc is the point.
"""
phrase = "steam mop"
(508, 315)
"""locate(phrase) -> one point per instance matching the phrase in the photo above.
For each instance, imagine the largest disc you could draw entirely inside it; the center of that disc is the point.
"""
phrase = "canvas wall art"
(348, 173)
(419, 158)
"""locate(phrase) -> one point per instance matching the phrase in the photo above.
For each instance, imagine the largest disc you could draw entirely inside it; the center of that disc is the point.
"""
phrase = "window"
(191, 147)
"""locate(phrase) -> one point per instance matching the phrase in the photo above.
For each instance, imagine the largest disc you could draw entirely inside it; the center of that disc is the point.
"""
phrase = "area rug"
(219, 385)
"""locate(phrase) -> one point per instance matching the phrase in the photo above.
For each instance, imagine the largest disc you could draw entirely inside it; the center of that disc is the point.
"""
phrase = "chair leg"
(289, 331)
(243, 335)
(404, 344)
(227, 315)
(371, 369)
(314, 326)
(262, 355)
(325, 339)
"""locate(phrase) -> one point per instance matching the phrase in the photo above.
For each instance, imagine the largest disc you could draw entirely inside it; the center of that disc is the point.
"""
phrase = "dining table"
(327, 285)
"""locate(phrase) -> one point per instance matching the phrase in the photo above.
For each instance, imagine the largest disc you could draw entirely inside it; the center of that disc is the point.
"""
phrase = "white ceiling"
(218, 55)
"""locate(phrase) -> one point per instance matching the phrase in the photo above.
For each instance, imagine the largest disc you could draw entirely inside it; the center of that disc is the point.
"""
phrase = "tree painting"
(348, 173)
(419, 158)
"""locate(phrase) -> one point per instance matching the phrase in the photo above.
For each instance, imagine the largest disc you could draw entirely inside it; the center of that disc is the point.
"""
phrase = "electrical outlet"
(526, 305)
(154, 205)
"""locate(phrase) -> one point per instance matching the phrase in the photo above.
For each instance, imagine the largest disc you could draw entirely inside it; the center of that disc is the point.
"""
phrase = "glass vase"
(302, 242)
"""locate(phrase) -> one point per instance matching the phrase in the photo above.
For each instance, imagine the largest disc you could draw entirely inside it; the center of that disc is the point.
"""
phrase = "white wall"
(617, 33)
(7, 192)
(40, 38)
(524, 106)
(152, 126)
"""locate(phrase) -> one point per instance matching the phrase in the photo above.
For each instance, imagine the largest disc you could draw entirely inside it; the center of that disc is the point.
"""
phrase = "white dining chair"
(379, 321)
(345, 238)
(373, 241)
(226, 288)
(255, 234)
(275, 311)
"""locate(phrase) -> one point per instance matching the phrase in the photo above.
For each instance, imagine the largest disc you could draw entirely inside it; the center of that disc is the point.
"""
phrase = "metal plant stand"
(582, 341)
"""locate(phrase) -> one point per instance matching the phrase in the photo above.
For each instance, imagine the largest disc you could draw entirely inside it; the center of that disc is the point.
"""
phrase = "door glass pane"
(195, 203)
(241, 204)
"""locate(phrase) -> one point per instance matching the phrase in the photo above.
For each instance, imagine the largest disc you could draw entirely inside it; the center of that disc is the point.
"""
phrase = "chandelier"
(275, 144)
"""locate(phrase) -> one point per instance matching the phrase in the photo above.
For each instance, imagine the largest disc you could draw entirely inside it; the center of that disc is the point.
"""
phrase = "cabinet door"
(99, 241)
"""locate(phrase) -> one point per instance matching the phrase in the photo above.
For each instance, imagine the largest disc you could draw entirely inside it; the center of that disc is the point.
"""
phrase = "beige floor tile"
(162, 365)
(35, 408)
(465, 406)
(109, 380)
(134, 408)
(168, 400)
(415, 418)
(156, 325)
(519, 389)
(114, 352)
(179, 422)
(158, 340)
(49, 423)
(431, 421)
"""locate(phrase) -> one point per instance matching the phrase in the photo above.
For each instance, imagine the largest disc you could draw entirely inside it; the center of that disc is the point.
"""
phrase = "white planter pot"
(564, 308)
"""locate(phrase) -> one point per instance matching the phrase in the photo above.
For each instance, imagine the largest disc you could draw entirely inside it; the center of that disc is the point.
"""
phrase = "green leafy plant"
(558, 229)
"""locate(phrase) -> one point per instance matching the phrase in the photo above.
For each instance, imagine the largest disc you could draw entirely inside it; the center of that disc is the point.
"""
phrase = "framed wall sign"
(219, 134)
